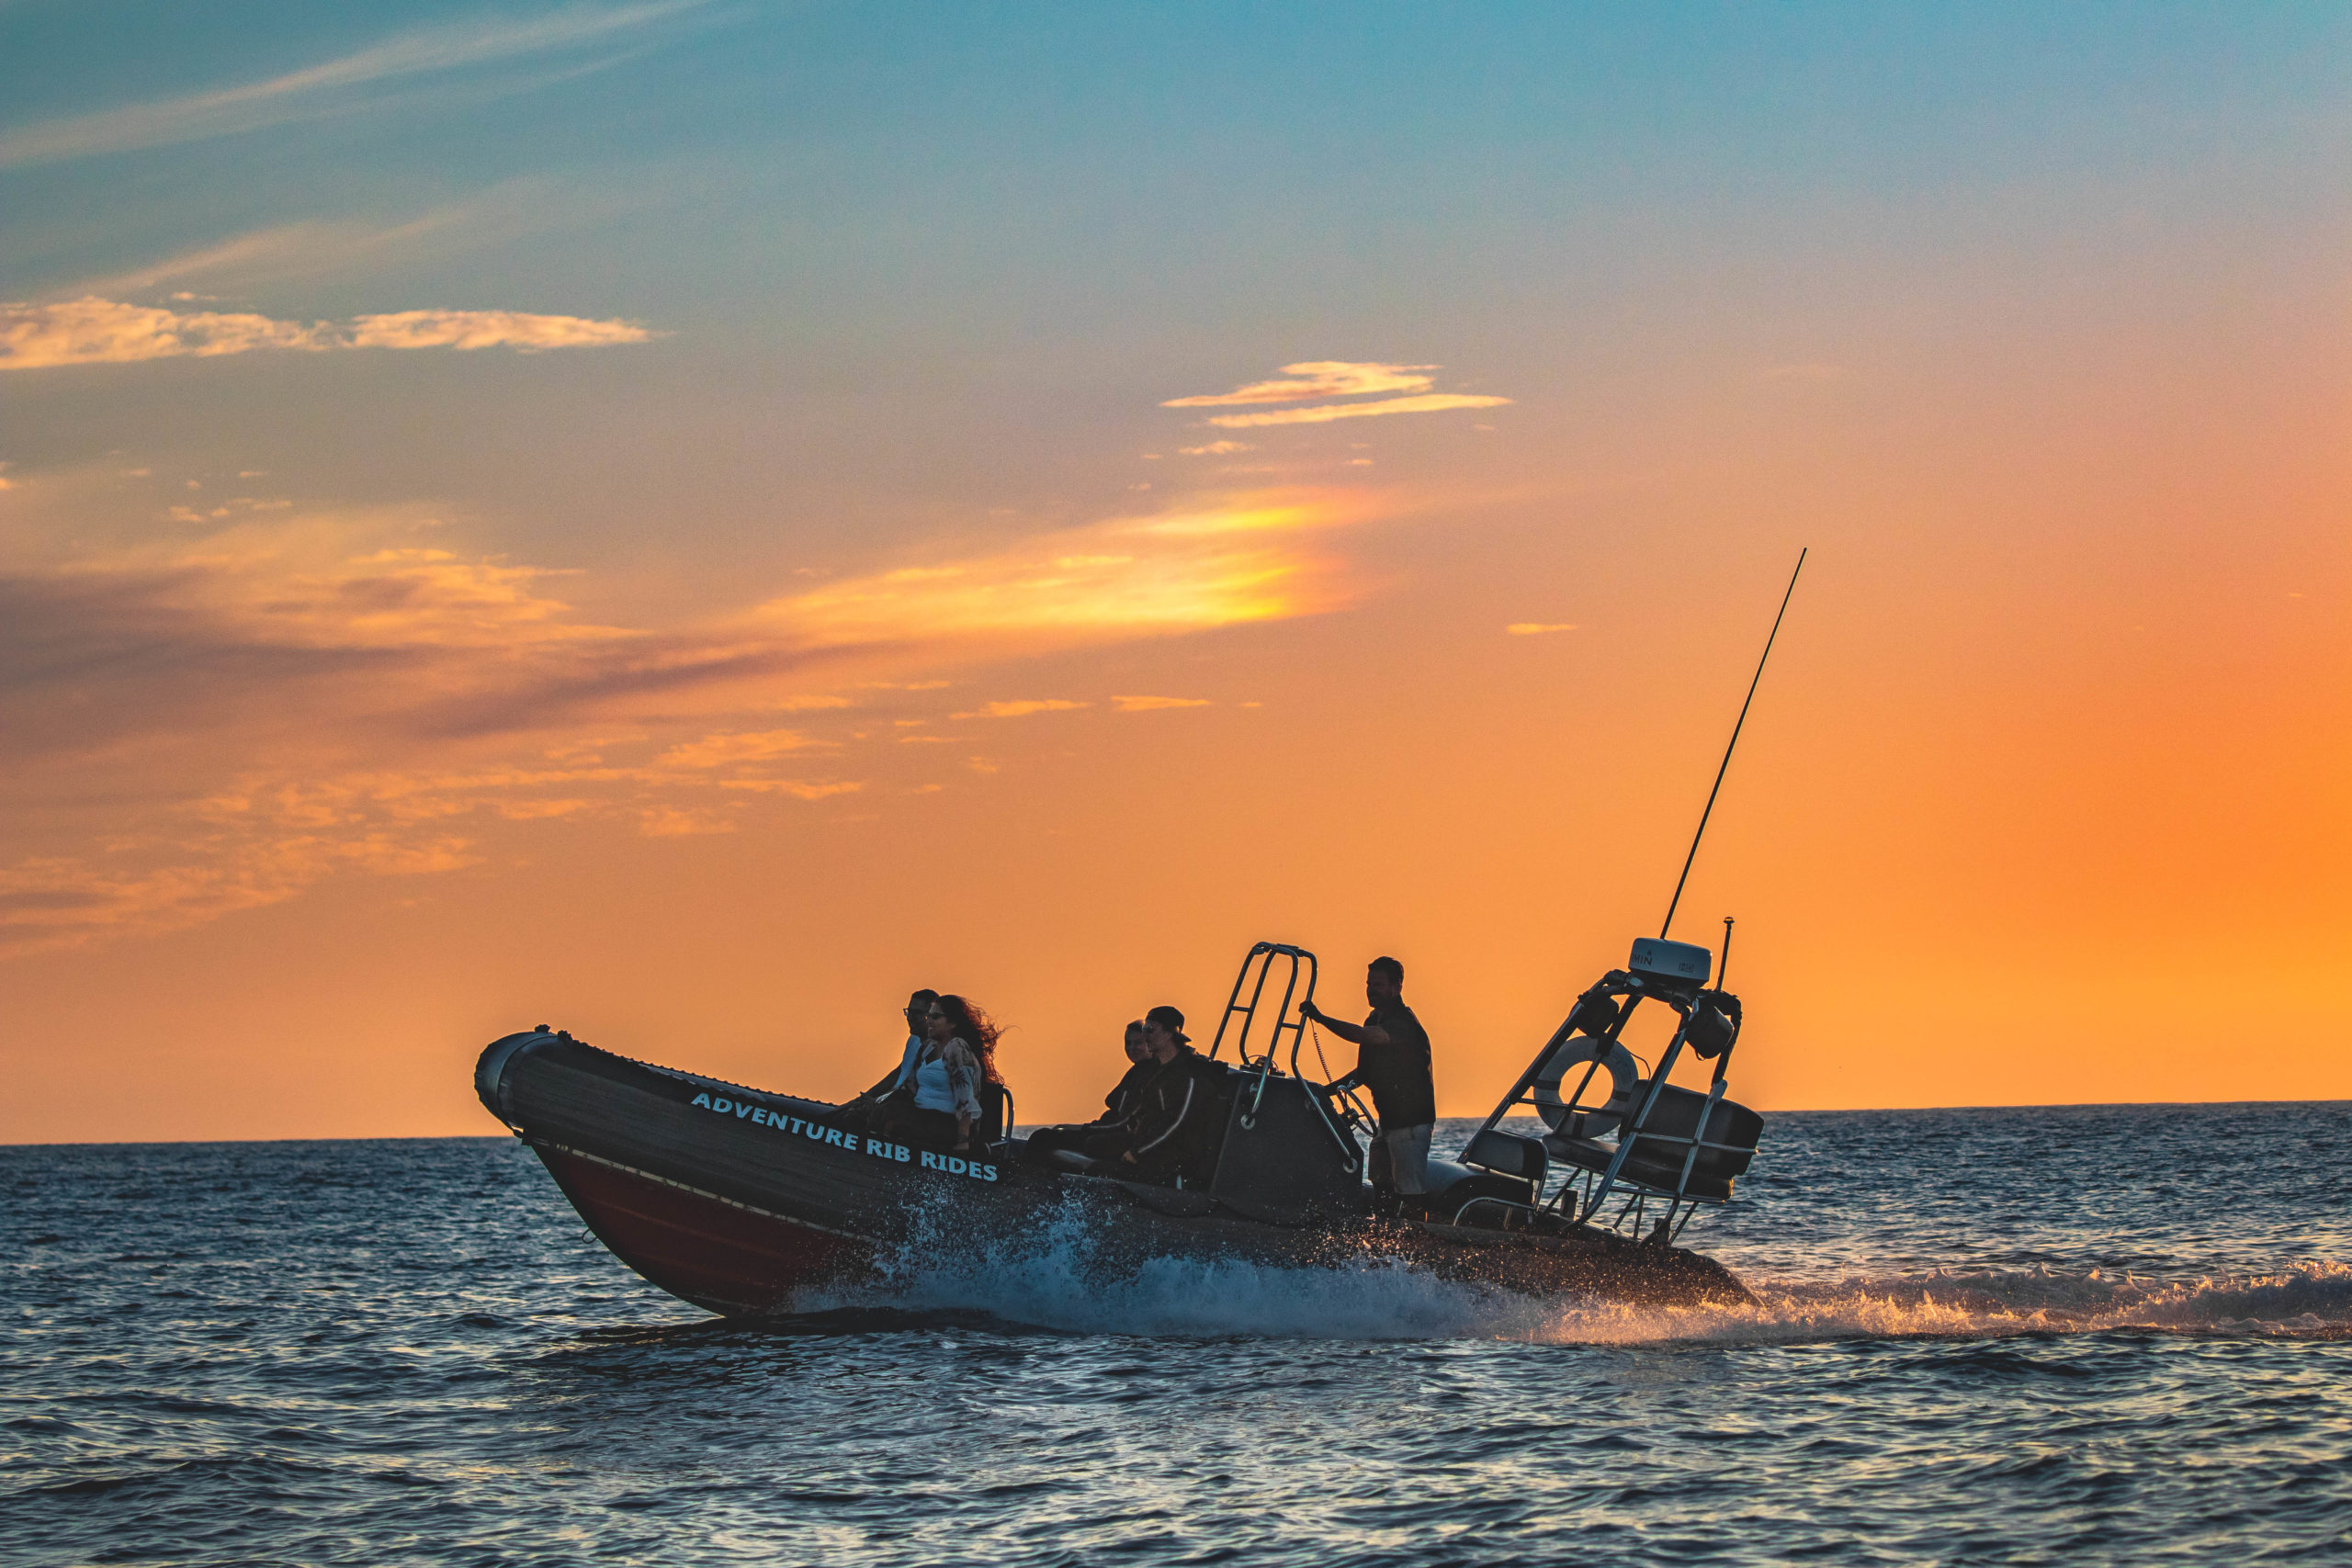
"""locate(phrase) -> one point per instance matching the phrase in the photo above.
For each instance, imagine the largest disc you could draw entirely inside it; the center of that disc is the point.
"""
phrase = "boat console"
(1289, 1151)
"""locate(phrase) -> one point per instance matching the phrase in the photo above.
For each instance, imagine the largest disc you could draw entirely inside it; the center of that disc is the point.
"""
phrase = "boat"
(742, 1200)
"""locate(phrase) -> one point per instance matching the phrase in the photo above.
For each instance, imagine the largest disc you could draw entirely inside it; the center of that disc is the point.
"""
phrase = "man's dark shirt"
(1126, 1099)
(1177, 1114)
(1397, 1073)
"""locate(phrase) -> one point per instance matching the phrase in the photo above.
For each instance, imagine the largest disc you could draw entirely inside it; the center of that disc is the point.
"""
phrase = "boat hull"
(741, 1202)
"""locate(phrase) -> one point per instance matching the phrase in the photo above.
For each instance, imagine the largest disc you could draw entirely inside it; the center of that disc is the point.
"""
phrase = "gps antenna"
(1728, 751)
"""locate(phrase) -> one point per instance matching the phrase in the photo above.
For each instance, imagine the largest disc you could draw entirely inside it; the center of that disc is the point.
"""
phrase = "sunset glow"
(685, 524)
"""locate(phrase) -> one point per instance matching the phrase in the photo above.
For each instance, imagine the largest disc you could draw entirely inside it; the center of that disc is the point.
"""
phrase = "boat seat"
(1507, 1153)
(1654, 1162)
(996, 1112)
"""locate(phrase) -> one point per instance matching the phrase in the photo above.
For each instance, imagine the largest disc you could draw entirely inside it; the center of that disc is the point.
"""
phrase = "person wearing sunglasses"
(958, 1056)
(860, 1113)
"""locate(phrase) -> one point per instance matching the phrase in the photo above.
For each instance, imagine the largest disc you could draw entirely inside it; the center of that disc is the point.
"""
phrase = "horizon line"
(1827, 1111)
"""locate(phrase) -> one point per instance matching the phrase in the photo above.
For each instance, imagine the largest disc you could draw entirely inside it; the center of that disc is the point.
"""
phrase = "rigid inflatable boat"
(740, 1200)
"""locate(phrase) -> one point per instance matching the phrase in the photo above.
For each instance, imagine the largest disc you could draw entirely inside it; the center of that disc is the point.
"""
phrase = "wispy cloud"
(799, 789)
(280, 698)
(720, 750)
(1022, 708)
(283, 251)
(1432, 402)
(1327, 378)
(1537, 628)
(92, 331)
(325, 89)
(490, 329)
(1216, 449)
(672, 822)
(248, 264)
(1219, 561)
(65, 901)
(1153, 704)
(1316, 378)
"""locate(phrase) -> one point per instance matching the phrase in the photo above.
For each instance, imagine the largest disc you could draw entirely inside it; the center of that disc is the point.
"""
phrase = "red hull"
(713, 1251)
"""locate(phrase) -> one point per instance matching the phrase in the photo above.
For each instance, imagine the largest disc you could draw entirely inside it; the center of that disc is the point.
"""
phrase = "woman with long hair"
(958, 1056)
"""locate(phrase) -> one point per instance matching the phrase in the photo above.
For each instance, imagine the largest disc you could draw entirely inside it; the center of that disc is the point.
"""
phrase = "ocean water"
(2081, 1335)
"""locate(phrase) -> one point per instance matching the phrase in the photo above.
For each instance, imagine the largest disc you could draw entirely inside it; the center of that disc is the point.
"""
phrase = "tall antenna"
(1728, 751)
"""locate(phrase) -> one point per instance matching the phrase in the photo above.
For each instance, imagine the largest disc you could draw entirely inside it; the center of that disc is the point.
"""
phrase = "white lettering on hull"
(873, 1148)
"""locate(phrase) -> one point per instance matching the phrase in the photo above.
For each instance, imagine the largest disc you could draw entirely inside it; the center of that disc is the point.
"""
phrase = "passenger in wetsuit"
(1106, 1135)
(1178, 1110)
(1392, 1062)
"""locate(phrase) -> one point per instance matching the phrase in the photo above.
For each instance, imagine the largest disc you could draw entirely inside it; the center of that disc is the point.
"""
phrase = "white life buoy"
(1589, 1120)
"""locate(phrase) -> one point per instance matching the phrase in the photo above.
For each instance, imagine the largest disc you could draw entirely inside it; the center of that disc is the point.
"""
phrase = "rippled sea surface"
(2095, 1334)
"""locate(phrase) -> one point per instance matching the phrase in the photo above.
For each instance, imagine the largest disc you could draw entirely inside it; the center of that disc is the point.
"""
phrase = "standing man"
(1393, 1061)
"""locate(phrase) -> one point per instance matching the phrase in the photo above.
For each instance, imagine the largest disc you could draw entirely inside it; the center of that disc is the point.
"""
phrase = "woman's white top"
(946, 1079)
(932, 1090)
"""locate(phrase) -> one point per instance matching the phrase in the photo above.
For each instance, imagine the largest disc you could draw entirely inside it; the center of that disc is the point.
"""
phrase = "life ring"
(1587, 1120)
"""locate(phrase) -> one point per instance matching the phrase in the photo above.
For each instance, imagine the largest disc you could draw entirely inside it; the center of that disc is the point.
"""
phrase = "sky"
(685, 521)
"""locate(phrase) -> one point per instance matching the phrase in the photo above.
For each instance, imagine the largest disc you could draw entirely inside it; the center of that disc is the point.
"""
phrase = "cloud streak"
(92, 331)
(1432, 402)
(1316, 378)
(1022, 708)
(721, 750)
(1313, 379)
(1225, 561)
(1154, 704)
(320, 90)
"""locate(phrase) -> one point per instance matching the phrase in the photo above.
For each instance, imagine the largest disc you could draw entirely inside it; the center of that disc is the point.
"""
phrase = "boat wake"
(1051, 1282)
(2307, 1301)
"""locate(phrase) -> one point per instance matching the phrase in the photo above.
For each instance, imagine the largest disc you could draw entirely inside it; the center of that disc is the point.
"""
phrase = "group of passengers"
(1158, 1122)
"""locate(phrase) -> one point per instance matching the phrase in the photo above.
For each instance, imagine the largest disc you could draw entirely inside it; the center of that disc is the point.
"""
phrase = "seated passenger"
(1106, 1134)
(865, 1110)
(1179, 1111)
(957, 1056)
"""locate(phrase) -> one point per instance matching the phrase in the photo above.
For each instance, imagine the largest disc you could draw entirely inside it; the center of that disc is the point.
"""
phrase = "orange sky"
(701, 685)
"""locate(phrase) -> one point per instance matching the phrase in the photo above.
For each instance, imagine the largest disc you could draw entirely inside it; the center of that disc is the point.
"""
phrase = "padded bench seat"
(1655, 1175)
(1656, 1162)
